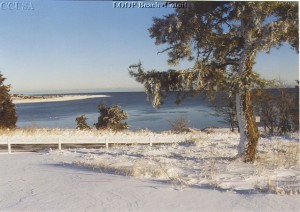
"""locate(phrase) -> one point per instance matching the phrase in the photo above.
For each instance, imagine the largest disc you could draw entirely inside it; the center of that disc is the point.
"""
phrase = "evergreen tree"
(111, 118)
(8, 116)
(81, 123)
(223, 38)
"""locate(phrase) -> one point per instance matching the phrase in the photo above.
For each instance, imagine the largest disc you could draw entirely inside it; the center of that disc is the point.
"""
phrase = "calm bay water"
(141, 114)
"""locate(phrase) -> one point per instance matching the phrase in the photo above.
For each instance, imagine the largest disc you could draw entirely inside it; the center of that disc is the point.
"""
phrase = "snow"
(60, 98)
(201, 174)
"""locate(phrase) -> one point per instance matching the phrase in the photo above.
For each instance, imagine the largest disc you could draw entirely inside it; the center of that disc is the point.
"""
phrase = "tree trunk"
(241, 124)
(252, 130)
(240, 109)
(248, 129)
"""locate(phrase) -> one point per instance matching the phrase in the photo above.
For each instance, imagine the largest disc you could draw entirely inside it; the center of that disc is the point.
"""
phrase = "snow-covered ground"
(59, 98)
(201, 174)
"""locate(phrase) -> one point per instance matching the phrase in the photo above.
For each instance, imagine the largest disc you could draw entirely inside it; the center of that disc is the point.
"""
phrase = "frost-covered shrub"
(81, 123)
(180, 124)
(112, 118)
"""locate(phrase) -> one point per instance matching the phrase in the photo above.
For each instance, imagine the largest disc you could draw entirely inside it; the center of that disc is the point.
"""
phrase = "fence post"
(59, 144)
(8, 146)
(106, 143)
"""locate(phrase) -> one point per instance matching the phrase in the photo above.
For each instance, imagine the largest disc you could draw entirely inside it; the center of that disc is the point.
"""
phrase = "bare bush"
(278, 110)
(180, 124)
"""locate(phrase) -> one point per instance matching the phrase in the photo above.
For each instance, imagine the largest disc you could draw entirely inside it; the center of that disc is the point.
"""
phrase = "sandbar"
(54, 98)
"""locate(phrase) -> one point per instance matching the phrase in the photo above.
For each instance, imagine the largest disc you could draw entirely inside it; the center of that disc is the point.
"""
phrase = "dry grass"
(143, 168)
(214, 158)
(32, 131)
(282, 155)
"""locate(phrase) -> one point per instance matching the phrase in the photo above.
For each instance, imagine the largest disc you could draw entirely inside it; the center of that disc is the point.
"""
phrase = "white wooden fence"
(105, 140)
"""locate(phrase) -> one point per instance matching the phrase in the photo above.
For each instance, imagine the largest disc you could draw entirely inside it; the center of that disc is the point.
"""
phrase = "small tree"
(8, 115)
(263, 106)
(224, 106)
(81, 123)
(111, 118)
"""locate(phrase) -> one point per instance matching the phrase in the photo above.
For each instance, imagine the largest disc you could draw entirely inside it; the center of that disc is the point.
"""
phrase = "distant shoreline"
(25, 99)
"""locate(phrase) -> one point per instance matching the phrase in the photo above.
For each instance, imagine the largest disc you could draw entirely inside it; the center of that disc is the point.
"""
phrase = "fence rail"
(105, 140)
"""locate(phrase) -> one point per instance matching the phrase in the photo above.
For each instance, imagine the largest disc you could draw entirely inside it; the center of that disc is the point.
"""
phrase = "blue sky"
(87, 46)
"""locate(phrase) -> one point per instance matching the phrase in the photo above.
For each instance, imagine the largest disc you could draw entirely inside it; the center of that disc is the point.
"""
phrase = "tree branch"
(167, 49)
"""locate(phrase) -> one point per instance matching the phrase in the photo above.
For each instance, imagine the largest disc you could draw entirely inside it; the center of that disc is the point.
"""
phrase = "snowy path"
(37, 182)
